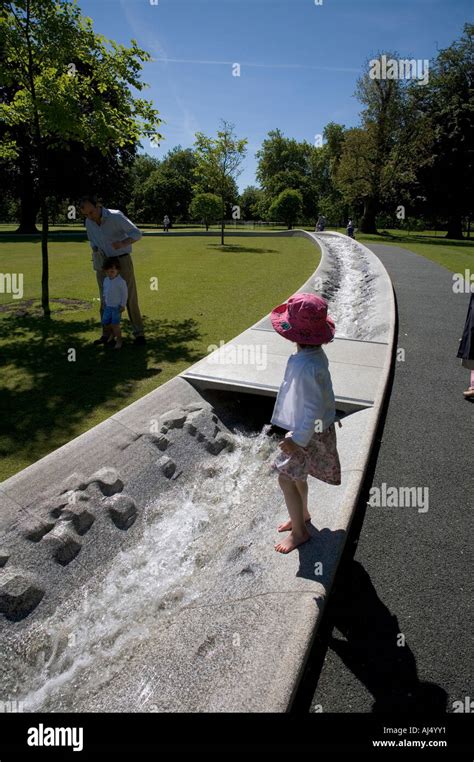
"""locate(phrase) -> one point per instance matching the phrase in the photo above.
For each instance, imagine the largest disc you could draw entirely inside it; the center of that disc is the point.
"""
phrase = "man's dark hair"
(111, 262)
(91, 199)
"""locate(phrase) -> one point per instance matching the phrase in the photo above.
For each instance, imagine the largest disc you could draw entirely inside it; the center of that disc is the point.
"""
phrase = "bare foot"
(291, 542)
(286, 526)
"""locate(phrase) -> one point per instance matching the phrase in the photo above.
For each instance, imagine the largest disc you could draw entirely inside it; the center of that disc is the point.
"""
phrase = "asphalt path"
(396, 635)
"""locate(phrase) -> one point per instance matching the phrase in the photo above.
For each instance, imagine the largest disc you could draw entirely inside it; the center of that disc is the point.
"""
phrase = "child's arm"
(123, 295)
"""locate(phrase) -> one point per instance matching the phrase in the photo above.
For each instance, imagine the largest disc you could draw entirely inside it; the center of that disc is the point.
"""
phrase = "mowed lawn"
(206, 294)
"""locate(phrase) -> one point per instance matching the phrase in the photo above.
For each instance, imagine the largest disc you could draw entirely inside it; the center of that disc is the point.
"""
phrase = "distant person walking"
(321, 223)
(350, 229)
(111, 234)
(166, 223)
(466, 347)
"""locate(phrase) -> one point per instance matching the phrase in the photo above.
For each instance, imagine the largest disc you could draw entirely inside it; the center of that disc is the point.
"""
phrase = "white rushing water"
(80, 646)
(350, 290)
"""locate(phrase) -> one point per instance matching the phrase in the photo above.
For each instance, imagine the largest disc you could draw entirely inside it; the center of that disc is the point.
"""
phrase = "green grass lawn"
(206, 293)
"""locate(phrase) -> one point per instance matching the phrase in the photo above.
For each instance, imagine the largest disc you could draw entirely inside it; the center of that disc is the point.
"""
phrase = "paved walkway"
(410, 573)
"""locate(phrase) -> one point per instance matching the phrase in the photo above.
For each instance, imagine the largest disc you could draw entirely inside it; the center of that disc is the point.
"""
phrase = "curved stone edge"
(131, 416)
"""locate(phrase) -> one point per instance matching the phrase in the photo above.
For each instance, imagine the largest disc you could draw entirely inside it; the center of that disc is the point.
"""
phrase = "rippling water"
(80, 646)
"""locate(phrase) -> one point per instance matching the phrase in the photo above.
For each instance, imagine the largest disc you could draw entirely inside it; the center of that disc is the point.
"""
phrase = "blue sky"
(299, 61)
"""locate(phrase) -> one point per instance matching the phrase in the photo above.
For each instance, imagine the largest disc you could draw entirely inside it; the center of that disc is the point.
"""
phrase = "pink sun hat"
(304, 319)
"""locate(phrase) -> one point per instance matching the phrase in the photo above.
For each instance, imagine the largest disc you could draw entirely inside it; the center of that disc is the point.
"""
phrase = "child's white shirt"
(115, 291)
(305, 396)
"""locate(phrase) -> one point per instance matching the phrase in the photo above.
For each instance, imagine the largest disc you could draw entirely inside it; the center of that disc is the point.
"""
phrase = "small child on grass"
(305, 406)
(114, 299)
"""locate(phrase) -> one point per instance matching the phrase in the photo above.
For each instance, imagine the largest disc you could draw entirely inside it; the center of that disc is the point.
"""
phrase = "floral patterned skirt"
(319, 459)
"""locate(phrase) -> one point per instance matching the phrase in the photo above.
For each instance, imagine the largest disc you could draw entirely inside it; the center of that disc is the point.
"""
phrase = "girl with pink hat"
(305, 407)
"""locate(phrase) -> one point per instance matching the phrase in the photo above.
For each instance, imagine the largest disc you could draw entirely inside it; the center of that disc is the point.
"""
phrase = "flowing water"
(350, 290)
(83, 643)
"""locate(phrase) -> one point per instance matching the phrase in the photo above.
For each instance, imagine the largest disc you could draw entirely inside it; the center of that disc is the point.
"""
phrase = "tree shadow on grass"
(235, 248)
(49, 395)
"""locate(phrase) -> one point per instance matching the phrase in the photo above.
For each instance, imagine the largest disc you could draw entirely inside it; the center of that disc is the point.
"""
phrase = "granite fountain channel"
(151, 584)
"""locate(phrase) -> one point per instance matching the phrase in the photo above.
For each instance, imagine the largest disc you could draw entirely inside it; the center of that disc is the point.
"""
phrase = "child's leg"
(117, 335)
(294, 503)
(302, 487)
(108, 333)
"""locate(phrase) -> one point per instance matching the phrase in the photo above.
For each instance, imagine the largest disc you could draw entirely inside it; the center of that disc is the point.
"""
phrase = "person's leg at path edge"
(127, 273)
(295, 505)
(469, 393)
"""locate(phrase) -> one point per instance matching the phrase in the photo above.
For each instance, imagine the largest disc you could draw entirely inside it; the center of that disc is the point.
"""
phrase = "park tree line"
(71, 125)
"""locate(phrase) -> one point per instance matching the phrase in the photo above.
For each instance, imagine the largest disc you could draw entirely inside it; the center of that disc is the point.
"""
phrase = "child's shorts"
(319, 459)
(111, 316)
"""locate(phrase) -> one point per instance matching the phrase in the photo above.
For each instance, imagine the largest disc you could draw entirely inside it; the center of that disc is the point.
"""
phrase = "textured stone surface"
(173, 419)
(122, 510)
(162, 442)
(34, 529)
(73, 482)
(108, 480)
(167, 466)
(20, 593)
(63, 542)
(4, 556)
(79, 516)
(215, 446)
(202, 425)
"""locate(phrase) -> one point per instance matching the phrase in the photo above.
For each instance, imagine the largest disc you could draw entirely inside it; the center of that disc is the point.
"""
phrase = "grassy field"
(206, 294)
(456, 256)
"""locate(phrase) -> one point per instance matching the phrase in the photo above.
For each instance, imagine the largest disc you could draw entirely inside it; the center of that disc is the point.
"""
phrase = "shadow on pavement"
(374, 649)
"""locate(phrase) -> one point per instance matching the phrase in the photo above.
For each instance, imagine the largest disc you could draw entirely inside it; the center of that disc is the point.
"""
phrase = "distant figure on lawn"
(166, 223)
(350, 229)
(114, 300)
(111, 234)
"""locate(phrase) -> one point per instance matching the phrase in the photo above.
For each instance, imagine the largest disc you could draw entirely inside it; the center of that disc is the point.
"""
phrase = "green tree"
(218, 165)
(206, 207)
(288, 206)
(66, 83)
(138, 175)
(284, 163)
(249, 202)
(365, 172)
(437, 145)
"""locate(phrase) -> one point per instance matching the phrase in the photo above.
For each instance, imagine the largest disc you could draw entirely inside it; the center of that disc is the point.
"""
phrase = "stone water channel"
(182, 541)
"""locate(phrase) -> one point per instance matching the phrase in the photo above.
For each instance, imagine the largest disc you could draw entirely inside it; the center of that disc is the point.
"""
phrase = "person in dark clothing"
(466, 347)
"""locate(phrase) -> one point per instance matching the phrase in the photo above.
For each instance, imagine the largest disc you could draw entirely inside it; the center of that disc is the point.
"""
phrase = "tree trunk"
(455, 228)
(28, 202)
(222, 233)
(367, 223)
(44, 260)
